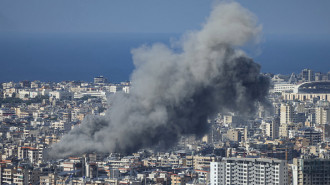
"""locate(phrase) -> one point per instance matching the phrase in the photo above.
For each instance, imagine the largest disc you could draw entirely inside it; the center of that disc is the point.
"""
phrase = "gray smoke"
(174, 91)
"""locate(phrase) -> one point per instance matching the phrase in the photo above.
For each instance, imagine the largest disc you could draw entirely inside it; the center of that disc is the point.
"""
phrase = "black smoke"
(174, 93)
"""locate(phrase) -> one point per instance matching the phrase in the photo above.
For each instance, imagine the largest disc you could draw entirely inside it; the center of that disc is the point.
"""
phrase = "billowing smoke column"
(174, 92)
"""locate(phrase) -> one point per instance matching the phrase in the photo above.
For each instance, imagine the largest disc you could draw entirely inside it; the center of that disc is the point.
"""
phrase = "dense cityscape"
(187, 92)
(288, 143)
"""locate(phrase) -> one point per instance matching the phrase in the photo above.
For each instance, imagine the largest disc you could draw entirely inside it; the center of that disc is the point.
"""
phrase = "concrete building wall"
(249, 171)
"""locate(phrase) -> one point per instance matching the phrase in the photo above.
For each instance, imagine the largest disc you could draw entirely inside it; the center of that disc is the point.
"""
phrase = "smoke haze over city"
(175, 90)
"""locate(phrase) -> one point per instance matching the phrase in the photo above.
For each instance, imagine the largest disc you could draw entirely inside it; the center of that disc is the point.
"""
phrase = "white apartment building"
(126, 89)
(61, 125)
(114, 88)
(26, 93)
(249, 171)
(100, 94)
(283, 87)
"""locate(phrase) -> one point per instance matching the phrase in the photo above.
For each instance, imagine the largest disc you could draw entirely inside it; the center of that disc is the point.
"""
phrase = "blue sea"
(58, 57)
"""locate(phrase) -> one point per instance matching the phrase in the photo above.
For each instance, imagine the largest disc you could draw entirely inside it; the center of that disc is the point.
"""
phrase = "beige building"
(305, 96)
(286, 113)
(179, 179)
(272, 129)
(199, 162)
(232, 120)
(322, 115)
(286, 128)
(48, 179)
(233, 135)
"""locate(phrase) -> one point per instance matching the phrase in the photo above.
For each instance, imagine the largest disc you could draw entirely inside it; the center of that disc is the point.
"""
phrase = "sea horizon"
(63, 56)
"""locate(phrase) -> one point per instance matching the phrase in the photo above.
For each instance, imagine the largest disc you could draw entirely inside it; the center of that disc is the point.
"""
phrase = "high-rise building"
(249, 171)
(308, 75)
(322, 115)
(310, 171)
(311, 76)
(325, 131)
(272, 128)
(286, 114)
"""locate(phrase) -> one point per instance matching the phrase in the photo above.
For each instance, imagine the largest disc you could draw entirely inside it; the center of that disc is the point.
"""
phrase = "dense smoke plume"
(174, 92)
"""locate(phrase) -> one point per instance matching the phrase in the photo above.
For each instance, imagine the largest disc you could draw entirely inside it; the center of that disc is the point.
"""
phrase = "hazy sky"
(296, 35)
(157, 16)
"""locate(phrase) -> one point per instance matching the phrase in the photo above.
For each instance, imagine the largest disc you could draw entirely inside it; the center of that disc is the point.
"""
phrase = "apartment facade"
(249, 171)
(311, 171)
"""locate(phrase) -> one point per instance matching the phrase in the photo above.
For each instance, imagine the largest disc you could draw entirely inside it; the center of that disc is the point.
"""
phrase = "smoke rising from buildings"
(174, 91)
